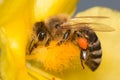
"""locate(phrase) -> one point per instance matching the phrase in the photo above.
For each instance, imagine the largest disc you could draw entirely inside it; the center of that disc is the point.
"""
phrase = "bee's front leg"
(31, 45)
(48, 42)
(65, 37)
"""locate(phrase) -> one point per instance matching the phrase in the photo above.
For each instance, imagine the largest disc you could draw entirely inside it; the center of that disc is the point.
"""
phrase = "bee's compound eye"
(41, 35)
(38, 27)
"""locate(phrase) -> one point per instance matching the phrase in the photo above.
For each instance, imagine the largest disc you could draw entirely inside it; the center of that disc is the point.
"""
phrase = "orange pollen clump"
(83, 43)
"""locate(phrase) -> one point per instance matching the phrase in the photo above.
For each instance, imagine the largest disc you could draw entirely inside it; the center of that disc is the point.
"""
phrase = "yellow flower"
(17, 19)
(16, 24)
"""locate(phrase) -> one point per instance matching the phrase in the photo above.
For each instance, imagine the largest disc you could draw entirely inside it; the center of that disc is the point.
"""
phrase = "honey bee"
(61, 28)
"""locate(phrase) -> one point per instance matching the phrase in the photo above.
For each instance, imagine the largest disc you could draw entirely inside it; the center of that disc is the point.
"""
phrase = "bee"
(62, 29)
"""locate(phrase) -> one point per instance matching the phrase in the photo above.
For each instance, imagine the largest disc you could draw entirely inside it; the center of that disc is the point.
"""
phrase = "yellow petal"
(13, 50)
(15, 28)
(46, 8)
(8, 8)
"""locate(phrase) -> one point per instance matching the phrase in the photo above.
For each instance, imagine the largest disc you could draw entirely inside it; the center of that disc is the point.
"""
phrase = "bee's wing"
(97, 26)
(100, 17)
(100, 27)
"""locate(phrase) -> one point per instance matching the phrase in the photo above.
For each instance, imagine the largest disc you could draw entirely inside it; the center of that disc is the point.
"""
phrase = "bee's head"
(40, 30)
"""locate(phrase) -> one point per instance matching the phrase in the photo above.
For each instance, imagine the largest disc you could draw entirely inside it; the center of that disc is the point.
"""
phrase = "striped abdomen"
(94, 52)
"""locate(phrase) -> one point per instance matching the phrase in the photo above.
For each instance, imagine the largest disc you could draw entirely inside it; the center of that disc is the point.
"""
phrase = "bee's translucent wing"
(89, 18)
(100, 27)
(95, 25)
(100, 17)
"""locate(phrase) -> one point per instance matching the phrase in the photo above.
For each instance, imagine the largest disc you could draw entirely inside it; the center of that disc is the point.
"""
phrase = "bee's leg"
(31, 46)
(34, 46)
(48, 42)
(83, 56)
(83, 52)
(82, 64)
(65, 37)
